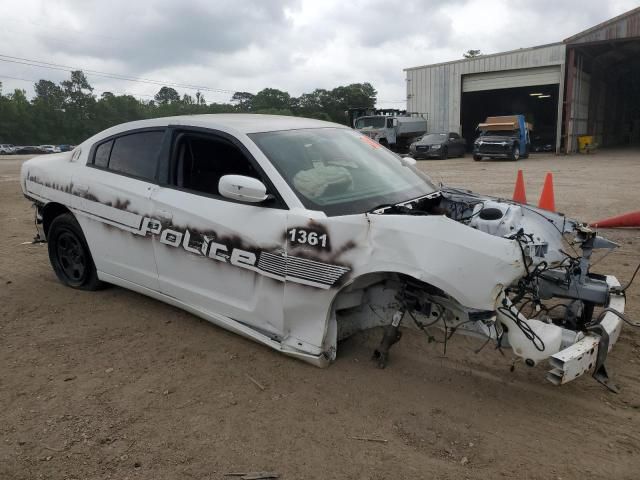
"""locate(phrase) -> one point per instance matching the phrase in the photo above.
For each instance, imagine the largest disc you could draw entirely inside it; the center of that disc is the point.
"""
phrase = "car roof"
(239, 122)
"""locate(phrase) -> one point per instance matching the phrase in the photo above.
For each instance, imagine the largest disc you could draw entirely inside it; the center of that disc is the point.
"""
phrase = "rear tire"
(69, 254)
(477, 158)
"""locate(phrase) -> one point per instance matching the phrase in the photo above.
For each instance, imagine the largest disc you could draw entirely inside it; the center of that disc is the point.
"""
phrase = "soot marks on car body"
(234, 251)
(311, 268)
(119, 204)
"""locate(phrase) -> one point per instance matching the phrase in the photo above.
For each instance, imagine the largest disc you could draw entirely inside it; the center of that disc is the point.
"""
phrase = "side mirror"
(243, 189)
(408, 161)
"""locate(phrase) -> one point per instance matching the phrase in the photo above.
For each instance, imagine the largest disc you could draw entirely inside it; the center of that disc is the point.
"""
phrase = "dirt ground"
(111, 384)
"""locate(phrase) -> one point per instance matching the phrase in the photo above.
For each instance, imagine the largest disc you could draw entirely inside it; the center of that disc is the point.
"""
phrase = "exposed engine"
(548, 313)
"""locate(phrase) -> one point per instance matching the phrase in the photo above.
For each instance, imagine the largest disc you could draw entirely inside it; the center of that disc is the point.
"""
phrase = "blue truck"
(503, 137)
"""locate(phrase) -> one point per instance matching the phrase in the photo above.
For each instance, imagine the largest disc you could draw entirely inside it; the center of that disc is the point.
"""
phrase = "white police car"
(297, 232)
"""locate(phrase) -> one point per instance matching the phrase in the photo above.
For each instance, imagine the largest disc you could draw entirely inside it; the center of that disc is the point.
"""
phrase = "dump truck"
(394, 129)
(503, 137)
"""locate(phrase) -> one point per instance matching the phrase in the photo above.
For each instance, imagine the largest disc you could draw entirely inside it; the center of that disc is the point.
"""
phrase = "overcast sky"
(292, 45)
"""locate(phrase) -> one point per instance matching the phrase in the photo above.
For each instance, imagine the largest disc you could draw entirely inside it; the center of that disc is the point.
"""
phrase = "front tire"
(477, 158)
(69, 254)
(515, 153)
(444, 154)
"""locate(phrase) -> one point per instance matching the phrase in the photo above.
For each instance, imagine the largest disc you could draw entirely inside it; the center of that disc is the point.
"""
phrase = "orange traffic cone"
(630, 219)
(547, 199)
(519, 194)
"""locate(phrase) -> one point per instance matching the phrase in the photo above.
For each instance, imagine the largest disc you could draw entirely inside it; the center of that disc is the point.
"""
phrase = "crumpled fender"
(467, 264)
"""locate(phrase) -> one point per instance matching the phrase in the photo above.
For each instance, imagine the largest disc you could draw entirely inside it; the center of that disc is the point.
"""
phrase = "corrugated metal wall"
(437, 89)
(579, 114)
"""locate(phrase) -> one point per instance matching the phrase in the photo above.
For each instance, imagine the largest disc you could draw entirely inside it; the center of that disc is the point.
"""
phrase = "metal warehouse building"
(589, 84)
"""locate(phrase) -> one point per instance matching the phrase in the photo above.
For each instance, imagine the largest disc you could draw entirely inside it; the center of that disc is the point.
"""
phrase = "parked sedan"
(28, 150)
(7, 149)
(50, 148)
(296, 233)
(438, 145)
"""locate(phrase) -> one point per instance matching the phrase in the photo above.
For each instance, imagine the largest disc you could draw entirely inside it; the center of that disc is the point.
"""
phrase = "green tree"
(48, 112)
(335, 102)
(69, 112)
(16, 123)
(167, 95)
(114, 109)
(243, 100)
(472, 53)
(79, 105)
(271, 98)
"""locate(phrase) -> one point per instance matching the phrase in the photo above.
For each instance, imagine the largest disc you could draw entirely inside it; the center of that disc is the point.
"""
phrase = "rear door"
(114, 193)
(214, 254)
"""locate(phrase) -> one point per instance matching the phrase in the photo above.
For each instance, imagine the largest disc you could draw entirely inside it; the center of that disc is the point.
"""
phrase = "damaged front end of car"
(555, 309)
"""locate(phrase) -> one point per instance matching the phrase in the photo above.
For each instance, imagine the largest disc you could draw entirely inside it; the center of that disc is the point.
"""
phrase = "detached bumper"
(580, 358)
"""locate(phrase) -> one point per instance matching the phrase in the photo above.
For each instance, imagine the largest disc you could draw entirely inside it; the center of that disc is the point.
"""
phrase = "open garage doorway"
(605, 93)
(539, 105)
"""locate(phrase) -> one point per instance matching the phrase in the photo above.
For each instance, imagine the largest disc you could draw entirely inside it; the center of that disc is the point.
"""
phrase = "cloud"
(293, 45)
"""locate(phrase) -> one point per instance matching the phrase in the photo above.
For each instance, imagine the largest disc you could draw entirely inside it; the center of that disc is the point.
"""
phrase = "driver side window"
(201, 160)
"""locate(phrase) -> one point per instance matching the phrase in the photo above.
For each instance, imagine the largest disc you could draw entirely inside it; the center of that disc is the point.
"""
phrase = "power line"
(99, 91)
(114, 76)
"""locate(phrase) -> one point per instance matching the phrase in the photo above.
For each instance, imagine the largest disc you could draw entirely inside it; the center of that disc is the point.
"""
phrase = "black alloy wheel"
(70, 255)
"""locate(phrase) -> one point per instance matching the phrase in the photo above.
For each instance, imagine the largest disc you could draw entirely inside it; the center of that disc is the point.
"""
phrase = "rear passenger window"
(136, 154)
(102, 154)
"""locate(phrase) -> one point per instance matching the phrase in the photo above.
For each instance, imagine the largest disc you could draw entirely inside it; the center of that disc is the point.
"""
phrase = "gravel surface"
(112, 384)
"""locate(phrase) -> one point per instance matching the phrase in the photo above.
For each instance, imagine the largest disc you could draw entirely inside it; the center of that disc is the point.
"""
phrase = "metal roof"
(483, 56)
(623, 26)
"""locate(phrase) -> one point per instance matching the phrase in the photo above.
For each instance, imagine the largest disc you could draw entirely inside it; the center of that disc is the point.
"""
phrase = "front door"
(214, 254)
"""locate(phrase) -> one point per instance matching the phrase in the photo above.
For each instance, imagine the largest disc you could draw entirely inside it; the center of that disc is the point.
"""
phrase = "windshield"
(499, 133)
(375, 122)
(435, 137)
(340, 171)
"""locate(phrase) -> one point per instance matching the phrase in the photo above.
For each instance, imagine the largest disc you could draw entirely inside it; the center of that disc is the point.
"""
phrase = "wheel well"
(351, 297)
(49, 212)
